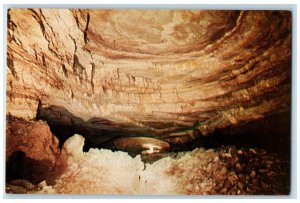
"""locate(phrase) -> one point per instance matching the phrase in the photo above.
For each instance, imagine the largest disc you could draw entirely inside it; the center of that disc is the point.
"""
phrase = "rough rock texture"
(201, 172)
(167, 74)
(98, 171)
(32, 152)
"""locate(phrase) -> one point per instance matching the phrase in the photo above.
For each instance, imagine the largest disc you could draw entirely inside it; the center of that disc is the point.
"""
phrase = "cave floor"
(223, 171)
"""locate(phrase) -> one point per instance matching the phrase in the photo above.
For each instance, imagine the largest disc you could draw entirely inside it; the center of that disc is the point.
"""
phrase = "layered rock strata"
(167, 74)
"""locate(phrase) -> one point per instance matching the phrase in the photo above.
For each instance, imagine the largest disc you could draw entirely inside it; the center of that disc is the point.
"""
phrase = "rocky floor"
(233, 171)
(223, 171)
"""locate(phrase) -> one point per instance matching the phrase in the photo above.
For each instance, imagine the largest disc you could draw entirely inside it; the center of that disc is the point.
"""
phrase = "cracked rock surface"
(168, 74)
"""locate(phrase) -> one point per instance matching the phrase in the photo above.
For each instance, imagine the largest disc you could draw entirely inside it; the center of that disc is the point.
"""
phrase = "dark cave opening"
(271, 133)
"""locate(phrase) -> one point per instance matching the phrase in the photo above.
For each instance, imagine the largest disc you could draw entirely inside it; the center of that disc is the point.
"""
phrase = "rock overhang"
(172, 75)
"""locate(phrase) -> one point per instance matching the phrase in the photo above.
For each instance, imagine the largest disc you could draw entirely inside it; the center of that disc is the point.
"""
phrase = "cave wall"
(171, 74)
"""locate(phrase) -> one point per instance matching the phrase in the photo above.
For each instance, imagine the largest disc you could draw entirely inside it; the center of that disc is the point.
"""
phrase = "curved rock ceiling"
(167, 74)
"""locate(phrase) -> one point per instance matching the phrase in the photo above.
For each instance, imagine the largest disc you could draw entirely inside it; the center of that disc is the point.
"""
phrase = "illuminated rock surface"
(173, 75)
(149, 81)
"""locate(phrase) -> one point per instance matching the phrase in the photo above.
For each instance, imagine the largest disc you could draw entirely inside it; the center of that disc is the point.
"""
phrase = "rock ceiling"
(167, 74)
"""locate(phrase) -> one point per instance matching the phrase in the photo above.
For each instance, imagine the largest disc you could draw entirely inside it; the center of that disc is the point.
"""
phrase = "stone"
(32, 152)
(172, 75)
(101, 171)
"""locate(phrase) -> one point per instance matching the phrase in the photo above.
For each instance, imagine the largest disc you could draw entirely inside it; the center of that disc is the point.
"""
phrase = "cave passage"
(98, 132)
(271, 133)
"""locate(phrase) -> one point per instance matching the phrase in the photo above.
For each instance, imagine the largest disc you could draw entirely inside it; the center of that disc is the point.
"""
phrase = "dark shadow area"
(272, 133)
(19, 166)
(97, 131)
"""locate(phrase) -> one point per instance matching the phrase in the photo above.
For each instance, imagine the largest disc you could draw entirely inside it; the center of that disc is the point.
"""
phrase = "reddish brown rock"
(32, 152)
